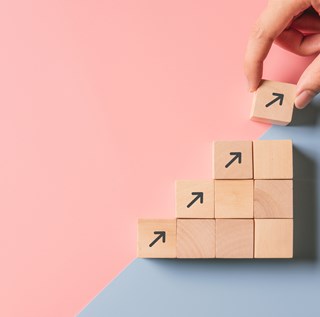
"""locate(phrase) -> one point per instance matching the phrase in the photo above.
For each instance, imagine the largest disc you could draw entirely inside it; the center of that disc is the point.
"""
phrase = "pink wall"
(103, 105)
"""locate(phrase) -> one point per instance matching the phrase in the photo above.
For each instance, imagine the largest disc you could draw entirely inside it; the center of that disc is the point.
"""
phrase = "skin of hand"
(295, 26)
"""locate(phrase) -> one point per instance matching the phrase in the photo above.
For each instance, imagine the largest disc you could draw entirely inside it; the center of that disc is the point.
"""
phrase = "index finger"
(273, 20)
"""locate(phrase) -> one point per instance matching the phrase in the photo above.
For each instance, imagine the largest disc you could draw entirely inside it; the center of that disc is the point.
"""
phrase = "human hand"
(295, 26)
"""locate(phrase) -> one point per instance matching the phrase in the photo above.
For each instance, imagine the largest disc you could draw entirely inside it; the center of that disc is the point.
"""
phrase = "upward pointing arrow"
(161, 234)
(237, 155)
(279, 97)
(199, 195)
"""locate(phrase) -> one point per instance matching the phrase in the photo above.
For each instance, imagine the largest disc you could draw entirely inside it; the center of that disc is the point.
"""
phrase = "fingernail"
(304, 98)
(249, 85)
(251, 88)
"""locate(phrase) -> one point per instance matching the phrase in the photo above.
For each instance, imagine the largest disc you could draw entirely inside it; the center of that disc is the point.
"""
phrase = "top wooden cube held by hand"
(273, 103)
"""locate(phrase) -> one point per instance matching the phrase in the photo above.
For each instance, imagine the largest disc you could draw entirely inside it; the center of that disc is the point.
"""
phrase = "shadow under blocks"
(305, 183)
(304, 206)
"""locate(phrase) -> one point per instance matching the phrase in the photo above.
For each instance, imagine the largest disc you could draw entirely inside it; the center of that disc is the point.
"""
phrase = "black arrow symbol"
(199, 195)
(278, 96)
(237, 155)
(161, 234)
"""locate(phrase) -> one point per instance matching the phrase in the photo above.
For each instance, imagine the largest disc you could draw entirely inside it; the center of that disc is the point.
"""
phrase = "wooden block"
(273, 238)
(273, 199)
(195, 198)
(196, 238)
(157, 238)
(273, 102)
(234, 198)
(234, 238)
(232, 160)
(272, 159)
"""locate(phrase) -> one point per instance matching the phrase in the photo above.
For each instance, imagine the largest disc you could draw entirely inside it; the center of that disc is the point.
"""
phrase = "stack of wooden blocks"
(244, 211)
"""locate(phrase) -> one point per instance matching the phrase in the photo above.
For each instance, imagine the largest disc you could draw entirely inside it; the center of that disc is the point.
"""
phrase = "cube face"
(272, 159)
(234, 199)
(273, 199)
(232, 160)
(273, 103)
(273, 238)
(195, 238)
(195, 199)
(234, 238)
(157, 238)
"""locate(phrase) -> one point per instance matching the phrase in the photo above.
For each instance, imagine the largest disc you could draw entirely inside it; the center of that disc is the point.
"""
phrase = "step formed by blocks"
(232, 215)
(234, 198)
(273, 103)
(273, 238)
(234, 238)
(196, 238)
(157, 238)
(272, 159)
(273, 198)
(232, 160)
(195, 198)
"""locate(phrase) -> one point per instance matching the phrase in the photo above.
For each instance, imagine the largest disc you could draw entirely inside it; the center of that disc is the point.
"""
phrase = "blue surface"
(235, 287)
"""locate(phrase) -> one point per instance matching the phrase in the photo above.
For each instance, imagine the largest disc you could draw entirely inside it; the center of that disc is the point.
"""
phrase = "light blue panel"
(235, 287)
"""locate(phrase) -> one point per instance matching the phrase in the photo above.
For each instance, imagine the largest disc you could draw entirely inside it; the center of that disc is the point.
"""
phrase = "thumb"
(309, 84)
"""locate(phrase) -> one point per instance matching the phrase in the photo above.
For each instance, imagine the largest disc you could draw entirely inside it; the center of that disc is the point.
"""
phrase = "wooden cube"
(273, 238)
(234, 198)
(195, 198)
(273, 198)
(232, 160)
(157, 238)
(234, 238)
(196, 238)
(273, 102)
(272, 159)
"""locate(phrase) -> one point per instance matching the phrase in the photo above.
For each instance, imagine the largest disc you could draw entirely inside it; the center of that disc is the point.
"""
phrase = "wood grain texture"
(184, 197)
(195, 238)
(234, 198)
(221, 157)
(273, 199)
(274, 113)
(146, 235)
(273, 238)
(234, 238)
(272, 159)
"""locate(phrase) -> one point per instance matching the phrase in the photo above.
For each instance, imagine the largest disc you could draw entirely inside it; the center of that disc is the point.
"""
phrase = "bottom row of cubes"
(215, 238)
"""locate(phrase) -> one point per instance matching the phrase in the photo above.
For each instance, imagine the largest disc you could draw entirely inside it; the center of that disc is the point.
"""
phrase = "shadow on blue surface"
(235, 287)
(306, 117)
(305, 207)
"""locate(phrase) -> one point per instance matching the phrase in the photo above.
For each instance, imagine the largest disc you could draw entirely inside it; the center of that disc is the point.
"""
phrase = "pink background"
(103, 105)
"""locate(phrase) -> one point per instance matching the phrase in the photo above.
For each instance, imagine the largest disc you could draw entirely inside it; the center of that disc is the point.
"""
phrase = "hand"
(295, 26)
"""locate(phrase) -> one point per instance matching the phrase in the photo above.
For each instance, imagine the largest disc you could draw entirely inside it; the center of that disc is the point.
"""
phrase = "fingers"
(273, 20)
(256, 52)
(316, 5)
(295, 42)
(307, 23)
(309, 84)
